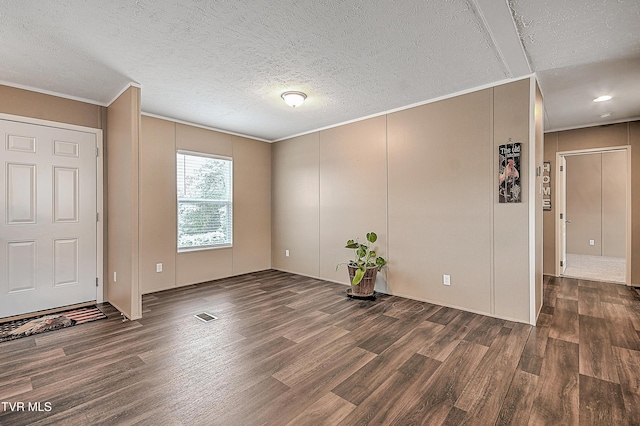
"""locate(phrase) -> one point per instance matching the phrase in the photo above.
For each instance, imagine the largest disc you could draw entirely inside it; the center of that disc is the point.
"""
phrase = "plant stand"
(357, 296)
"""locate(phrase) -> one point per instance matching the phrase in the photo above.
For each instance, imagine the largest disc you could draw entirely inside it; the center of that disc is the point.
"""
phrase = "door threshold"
(47, 311)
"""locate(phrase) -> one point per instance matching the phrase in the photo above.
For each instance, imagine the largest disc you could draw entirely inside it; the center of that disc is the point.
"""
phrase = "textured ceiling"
(581, 49)
(224, 64)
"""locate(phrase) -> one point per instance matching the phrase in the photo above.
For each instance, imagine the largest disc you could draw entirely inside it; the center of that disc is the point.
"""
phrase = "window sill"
(190, 250)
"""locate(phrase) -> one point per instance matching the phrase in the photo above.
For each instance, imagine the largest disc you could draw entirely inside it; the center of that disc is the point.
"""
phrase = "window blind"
(205, 201)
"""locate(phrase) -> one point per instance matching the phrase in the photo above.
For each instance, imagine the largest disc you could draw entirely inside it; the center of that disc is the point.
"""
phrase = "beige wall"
(440, 201)
(591, 138)
(584, 206)
(614, 196)
(425, 179)
(511, 244)
(123, 132)
(47, 107)
(158, 209)
(295, 201)
(251, 251)
(251, 205)
(355, 154)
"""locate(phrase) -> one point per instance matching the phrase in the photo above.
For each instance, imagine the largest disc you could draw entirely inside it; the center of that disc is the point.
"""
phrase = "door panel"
(21, 193)
(48, 239)
(65, 197)
(21, 266)
(65, 260)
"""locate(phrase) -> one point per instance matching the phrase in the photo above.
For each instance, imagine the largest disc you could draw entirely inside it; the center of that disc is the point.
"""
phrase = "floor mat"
(11, 330)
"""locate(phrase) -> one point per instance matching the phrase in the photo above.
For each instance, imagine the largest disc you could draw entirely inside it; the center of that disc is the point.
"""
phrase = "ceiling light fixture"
(294, 99)
(602, 98)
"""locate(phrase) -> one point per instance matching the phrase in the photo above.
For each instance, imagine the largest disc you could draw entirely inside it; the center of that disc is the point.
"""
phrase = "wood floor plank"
(537, 342)
(485, 332)
(518, 402)
(618, 319)
(565, 321)
(455, 417)
(568, 289)
(628, 364)
(484, 394)
(358, 386)
(328, 410)
(596, 353)
(384, 400)
(11, 388)
(601, 403)
(437, 396)
(590, 302)
(557, 398)
(292, 403)
(440, 346)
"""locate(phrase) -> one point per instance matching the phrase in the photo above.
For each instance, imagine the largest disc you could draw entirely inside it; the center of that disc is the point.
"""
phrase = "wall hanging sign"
(509, 189)
(546, 185)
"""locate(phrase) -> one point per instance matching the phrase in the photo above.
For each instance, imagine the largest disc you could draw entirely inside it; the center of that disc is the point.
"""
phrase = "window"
(205, 201)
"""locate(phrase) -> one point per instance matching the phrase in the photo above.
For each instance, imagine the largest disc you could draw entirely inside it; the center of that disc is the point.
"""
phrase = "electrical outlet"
(592, 242)
(158, 267)
(286, 253)
(446, 279)
(115, 277)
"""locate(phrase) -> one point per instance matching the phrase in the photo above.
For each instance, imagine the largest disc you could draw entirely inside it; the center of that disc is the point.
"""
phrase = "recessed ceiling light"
(605, 115)
(602, 98)
(294, 99)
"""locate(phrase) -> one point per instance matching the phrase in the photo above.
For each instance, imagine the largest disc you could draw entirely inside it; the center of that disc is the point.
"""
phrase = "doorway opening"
(593, 226)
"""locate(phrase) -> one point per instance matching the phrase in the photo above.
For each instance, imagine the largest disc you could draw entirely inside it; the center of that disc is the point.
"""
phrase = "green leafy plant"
(365, 257)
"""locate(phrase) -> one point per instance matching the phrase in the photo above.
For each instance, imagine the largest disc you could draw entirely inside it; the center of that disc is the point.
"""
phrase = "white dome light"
(294, 99)
(602, 98)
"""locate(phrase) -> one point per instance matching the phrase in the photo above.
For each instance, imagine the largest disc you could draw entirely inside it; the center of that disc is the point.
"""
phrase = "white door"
(562, 210)
(47, 218)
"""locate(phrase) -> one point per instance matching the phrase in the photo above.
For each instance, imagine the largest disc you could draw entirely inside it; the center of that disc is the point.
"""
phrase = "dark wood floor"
(293, 350)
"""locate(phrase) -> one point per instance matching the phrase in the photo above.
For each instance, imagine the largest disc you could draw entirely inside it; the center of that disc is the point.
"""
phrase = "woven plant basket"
(365, 288)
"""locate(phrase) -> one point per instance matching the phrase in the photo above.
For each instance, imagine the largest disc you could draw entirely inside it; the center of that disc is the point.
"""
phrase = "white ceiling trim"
(417, 104)
(51, 93)
(187, 123)
(124, 89)
(499, 23)
(604, 123)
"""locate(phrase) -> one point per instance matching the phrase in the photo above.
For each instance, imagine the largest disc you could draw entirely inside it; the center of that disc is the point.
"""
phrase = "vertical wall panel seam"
(492, 259)
(233, 216)
(386, 142)
(319, 210)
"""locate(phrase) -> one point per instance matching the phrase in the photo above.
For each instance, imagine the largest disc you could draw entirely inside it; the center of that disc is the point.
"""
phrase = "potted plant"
(364, 268)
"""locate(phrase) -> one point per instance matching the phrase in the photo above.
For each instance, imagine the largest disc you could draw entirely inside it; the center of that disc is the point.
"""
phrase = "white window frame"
(178, 202)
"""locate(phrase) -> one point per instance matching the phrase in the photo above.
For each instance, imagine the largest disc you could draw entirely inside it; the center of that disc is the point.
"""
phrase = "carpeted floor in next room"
(596, 268)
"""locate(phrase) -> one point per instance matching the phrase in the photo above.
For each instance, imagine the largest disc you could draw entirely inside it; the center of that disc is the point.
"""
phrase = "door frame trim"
(558, 225)
(99, 186)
